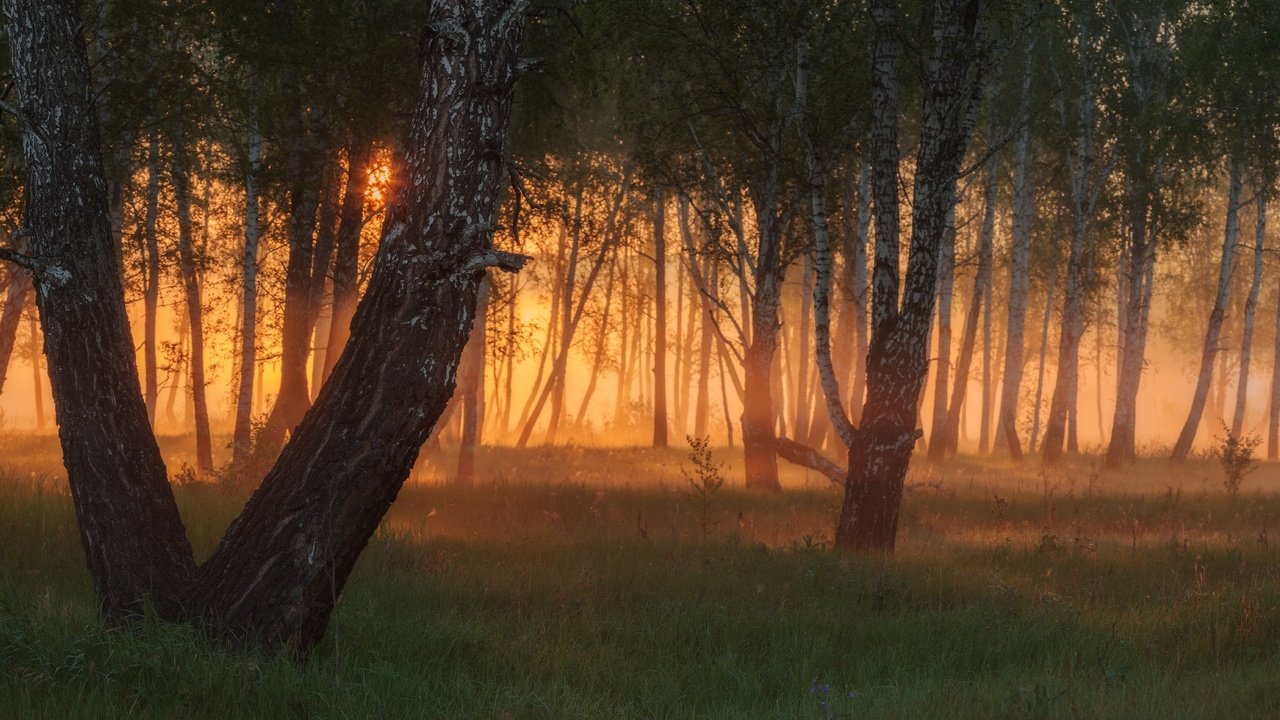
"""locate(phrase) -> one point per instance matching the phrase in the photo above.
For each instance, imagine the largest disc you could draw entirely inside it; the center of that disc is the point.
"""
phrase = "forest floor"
(581, 583)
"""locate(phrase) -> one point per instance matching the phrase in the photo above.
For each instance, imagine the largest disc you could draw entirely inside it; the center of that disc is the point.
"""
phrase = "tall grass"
(581, 587)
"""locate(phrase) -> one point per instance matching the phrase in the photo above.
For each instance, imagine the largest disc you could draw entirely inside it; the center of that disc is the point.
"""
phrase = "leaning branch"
(22, 260)
(805, 456)
(505, 261)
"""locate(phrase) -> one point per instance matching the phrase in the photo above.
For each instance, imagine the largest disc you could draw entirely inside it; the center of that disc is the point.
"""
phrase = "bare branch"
(505, 261)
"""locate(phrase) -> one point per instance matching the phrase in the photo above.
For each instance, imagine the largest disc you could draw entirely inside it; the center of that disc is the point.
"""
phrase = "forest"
(639, 358)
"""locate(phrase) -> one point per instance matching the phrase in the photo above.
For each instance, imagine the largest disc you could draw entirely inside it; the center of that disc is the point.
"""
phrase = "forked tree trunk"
(274, 578)
(898, 358)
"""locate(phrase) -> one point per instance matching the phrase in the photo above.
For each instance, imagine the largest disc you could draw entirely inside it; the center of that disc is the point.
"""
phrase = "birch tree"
(275, 576)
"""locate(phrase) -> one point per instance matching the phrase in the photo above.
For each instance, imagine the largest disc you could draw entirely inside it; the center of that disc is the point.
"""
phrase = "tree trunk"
(347, 253)
(800, 404)
(1024, 204)
(1251, 311)
(37, 382)
(151, 290)
(660, 319)
(1212, 334)
(322, 279)
(898, 357)
(471, 389)
(195, 315)
(1044, 352)
(293, 398)
(758, 429)
(602, 343)
(1138, 284)
(942, 363)
(274, 578)
(132, 536)
(10, 316)
(1066, 385)
(969, 335)
(702, 402)
(242, 442)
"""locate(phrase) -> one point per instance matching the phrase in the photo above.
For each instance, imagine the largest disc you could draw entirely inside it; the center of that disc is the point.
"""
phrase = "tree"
(275, 576)
(880, 447)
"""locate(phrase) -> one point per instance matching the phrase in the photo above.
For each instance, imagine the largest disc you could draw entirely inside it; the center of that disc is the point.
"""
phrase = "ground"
(579, 583)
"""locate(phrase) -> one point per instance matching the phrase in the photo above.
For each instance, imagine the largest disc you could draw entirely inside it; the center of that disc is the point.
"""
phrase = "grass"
(575, 583)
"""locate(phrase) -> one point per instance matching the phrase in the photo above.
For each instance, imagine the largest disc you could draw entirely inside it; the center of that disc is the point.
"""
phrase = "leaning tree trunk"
(275, 577)
(1214, 331)
(276, 574)
(15, 300)
(898, 359)
(1251, 311)
(134, 543)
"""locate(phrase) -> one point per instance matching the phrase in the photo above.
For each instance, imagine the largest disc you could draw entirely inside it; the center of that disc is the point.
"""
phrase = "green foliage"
(1236, 455)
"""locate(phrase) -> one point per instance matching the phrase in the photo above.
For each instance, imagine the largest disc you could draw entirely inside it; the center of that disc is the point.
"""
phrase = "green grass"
(577, 584)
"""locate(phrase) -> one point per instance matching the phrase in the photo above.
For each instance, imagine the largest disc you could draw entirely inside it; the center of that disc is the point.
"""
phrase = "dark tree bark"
(133, 538)
(660, 319)
(274, 578)
(898, 358)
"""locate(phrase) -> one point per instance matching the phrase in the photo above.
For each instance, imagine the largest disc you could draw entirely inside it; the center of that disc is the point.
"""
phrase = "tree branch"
(23, 261)
(505, 261)
(805, 456)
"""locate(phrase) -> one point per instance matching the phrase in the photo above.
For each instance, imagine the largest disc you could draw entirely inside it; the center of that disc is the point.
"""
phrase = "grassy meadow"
(582, 583)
